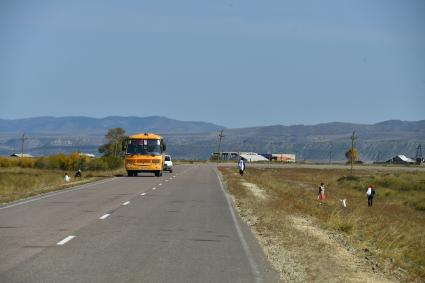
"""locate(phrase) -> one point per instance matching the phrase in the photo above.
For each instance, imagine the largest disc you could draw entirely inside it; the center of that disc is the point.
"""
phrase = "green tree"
(114, 138)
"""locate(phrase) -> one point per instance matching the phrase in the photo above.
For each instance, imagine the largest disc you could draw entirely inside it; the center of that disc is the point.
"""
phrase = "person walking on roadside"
(370, 193)
(322, 196)
(241, 165)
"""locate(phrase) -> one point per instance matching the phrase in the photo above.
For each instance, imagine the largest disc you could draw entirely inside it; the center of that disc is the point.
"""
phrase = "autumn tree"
(114, 138)
(352, 155)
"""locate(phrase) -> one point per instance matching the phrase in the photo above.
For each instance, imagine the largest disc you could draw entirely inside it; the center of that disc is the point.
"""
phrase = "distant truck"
(144, 153)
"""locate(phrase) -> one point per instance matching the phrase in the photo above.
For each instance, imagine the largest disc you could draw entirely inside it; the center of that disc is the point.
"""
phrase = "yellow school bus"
(144, 153)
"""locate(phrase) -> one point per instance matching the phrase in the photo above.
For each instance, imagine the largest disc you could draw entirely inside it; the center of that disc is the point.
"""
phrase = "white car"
(168, 164)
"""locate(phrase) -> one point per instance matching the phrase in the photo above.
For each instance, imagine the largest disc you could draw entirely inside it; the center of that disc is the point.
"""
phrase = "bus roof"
(145, 136)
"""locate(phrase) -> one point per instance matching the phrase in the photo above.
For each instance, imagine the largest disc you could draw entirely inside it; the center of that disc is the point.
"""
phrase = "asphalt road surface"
(176, 228)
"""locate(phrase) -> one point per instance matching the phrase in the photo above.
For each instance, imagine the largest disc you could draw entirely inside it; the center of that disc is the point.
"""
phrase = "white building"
(252, 157)
(21, 155)
(401, 159)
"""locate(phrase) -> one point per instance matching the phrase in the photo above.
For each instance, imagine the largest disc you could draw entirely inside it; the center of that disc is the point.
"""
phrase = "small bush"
(417, 204)
(345, 227)
(98, 164)
(349, 179)
(5, 162)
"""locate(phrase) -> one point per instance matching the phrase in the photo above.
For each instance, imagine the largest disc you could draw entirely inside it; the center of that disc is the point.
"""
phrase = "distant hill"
(196, 140)
(50, 125)
(320, 142)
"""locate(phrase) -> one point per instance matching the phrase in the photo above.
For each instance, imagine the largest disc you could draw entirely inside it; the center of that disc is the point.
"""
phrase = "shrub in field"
(17, 162)
(97, 164)
(25, 162)
(5, 162)
(71, 162)
(63, 162)
(114, 162)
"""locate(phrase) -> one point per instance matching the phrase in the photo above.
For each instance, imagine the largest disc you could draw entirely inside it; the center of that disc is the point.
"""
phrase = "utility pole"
(23, 139)
(419, 157)
(353, 139)
(330, 155)
(219, 144)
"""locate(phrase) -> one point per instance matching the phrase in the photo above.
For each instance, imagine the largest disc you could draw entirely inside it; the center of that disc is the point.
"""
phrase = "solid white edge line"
(105, 216)
(64, 241)
(125, 203)
(52, 194)
(248, 253)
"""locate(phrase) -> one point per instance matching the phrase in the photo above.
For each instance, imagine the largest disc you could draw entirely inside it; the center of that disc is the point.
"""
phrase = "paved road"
(177, 228)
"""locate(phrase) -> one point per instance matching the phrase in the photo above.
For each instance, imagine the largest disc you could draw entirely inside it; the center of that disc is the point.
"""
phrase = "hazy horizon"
(225, 126)
(231, 63)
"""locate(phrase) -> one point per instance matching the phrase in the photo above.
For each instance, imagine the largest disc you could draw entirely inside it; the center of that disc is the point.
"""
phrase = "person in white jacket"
(370, 193)
(241, 165)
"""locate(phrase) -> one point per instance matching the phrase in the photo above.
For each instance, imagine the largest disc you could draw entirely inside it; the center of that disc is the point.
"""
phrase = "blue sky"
(234, 63)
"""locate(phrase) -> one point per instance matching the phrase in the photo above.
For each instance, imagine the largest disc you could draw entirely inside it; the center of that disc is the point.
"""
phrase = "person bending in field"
(78, 174)
(66, 178)
(321, 197)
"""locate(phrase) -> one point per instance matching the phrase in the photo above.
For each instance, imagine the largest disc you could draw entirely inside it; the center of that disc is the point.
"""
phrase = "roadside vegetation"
(309, 241)
(25, 177)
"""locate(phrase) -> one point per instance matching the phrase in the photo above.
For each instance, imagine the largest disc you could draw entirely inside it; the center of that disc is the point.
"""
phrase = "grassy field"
(309, 241)
(17, 183)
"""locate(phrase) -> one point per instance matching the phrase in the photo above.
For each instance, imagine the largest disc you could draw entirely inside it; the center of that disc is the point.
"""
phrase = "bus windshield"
(144, 147)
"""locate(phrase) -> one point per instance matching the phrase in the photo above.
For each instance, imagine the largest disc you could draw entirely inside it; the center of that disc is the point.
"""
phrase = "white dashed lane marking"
(154, 189)
(105, 216)
(160, 184)
(142, 194)
(125, 203)
(66, 240)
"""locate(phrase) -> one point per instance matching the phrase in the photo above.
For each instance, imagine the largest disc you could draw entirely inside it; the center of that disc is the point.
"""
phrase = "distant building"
(225, 155)
(252, 157)
(21, 155)
(401, 159)
(284, 157)
(87, 155)
(233, 155)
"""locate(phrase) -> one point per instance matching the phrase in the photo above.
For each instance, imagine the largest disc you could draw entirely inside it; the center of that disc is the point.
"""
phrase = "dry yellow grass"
(18, 183)
(385, 241)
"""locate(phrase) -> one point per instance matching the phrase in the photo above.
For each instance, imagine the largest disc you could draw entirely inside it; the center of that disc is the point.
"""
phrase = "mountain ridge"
(71, 124)
(196, 140)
